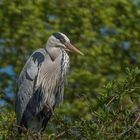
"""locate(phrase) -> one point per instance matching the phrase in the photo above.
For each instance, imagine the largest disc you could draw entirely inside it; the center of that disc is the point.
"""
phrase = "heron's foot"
(21, 129)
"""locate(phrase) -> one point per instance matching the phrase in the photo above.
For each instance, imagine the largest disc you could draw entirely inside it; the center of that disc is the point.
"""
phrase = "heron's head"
(59, 39)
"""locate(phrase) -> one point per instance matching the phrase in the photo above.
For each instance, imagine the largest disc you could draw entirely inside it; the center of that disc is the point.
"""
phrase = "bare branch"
(112, 99)
(6, 98)
(131, 127)
(61, 134)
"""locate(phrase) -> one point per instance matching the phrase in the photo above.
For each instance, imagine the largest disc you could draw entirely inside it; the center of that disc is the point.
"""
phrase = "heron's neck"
(54, 52)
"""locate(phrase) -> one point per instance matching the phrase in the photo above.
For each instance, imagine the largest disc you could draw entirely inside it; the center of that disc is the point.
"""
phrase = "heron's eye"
(62, 40)
(60, 37)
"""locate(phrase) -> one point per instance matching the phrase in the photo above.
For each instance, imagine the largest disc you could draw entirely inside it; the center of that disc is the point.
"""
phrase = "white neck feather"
(54, 52)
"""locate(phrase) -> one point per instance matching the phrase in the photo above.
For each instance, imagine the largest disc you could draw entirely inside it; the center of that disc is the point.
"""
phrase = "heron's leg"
(50, 109)
(47, 109)
(47, 113)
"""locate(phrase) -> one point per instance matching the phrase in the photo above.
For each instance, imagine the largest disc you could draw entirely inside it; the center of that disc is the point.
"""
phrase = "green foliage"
(114, 116)
(7, 120)
(102, 96)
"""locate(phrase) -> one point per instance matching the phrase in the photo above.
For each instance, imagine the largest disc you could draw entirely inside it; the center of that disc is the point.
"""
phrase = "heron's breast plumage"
(54, 79)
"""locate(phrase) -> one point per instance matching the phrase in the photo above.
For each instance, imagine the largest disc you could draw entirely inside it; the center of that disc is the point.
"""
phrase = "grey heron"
(40, 85)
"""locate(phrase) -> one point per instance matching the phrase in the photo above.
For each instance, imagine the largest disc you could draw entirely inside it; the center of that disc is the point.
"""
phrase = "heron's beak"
(72, 48)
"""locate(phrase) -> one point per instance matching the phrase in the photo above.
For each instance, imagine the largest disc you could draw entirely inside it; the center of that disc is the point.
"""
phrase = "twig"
(6, 98)
(131, 127)
(60, 134)
(112, 99)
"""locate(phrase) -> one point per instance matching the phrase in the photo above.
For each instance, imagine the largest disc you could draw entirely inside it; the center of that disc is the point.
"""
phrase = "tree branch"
(131, 127)
(6, 98)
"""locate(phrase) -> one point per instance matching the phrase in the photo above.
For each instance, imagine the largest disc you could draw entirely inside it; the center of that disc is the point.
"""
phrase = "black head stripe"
(60, 37)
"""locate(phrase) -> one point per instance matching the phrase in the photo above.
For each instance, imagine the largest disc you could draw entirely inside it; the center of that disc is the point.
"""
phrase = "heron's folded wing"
(27, 82)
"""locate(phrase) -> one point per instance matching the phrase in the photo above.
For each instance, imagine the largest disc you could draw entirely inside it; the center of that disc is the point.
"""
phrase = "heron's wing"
(28, 84)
